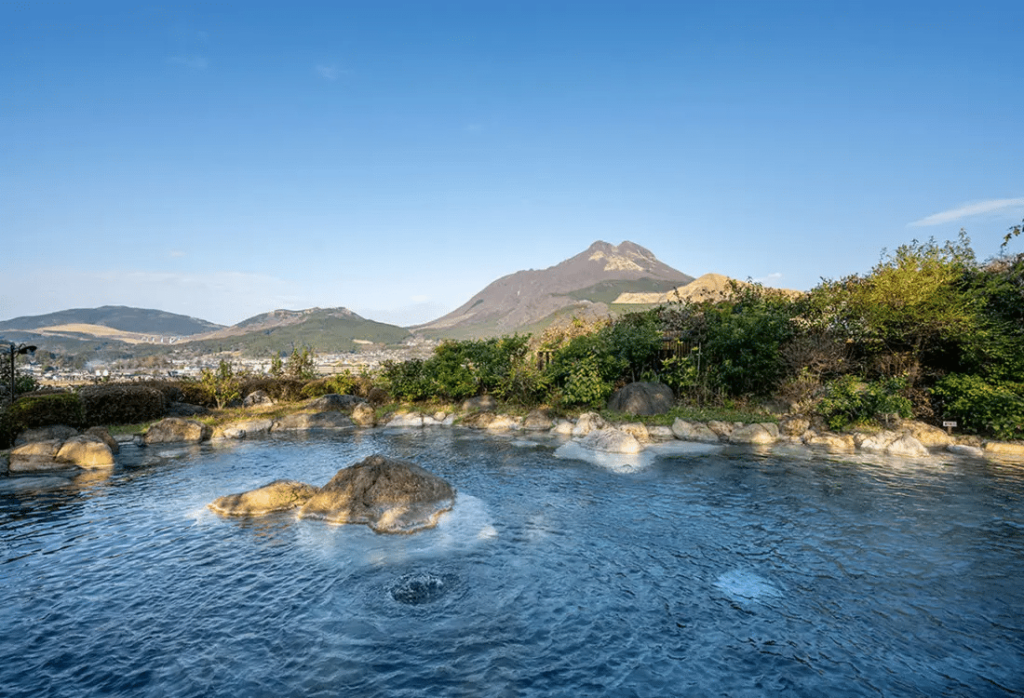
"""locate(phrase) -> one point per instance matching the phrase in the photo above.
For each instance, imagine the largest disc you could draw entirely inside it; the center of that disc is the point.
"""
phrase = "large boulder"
(693, 431)
(105, 437)
(243, 428)
(642, 398)
(611, 440)
(404, 420)
(85, 451)
(312, 420)
(389, 495)
(177, 430)
(638, 430)
(906, 446)
(838, 443)
(36, 456)
(279, 495)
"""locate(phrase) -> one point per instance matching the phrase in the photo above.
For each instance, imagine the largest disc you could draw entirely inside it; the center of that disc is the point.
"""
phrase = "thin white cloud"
(191, 61)
(176, 254)
(769, 279)
(966, 210)
(327, 72)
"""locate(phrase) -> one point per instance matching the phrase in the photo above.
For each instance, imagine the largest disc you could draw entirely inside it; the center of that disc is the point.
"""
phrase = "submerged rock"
(177, 430)
(611, 440)
(279, 495)
(389, 495)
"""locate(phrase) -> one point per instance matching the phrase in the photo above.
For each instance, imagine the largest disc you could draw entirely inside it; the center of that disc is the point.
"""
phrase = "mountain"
(586, 283)
(324, 329)
(110, 321)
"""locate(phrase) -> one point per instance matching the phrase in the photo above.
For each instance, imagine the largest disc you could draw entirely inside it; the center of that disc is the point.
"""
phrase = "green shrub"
(112, 403)
(406, 380)
(849, 400)
(280, 389)
(981, 406)
(31, 411)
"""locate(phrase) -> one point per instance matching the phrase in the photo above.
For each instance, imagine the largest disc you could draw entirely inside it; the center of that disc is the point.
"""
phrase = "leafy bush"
(406, 380)
(113, 403)
(849, 400)
(280, 389)
(981, 406)
(341, 384)
(32, 411)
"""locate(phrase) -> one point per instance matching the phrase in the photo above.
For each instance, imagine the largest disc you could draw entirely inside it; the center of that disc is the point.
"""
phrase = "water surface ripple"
(730, 573)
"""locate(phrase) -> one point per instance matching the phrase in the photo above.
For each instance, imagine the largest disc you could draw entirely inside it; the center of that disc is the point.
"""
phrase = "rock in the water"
(258, 398)
(964, 450)
(55, 432)
(840, 443)
(611, 440)
(312, 420)
(693, 431)
(906, 446)
(105, 436)
(642, 398)
(538, 420)
(481, 403)
(177, 430)
(563, 427)
(36, 456)
(637, 429)
(243, 428)
(504, 422)
(794, 426)
(1001, 448)
(363, 415)
(876, 442)
(660, 433)
(929, 436)
(478, 420)
(588, 422)
(85, 451)
(756, 434)
(389, 495)
(405, 419)
(279, 495)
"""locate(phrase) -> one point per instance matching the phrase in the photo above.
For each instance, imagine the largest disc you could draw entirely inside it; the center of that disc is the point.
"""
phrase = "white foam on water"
(617, 462)
(740, 584)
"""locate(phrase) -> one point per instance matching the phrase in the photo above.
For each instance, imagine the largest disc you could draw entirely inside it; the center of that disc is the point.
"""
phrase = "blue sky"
(223, 159)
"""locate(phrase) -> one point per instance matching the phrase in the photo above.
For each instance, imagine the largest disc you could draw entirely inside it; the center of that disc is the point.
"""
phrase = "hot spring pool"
(691, 573)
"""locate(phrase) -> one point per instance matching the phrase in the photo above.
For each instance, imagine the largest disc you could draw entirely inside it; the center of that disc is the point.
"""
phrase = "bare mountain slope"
(527, 297)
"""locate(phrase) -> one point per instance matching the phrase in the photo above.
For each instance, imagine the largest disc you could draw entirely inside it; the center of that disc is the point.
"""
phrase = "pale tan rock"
(638, 430)
(693, 431)
(563, 427)
(538, 420)
(504, 422)
(404, 420)
(279, 495)
(832, 442)
(794, 426)
(722, 429)
(363, 415)
(36, 456)
(930, 436)
(906, 446)
(54, 432)
(1001, 448)
(660, 433)
(875, 442)
(611, 440)
(588, 422)
(177, 430)
(85, 451)
(757, 434)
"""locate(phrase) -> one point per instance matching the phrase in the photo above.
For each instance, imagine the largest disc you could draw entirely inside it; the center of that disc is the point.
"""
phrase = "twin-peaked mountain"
(587, 283)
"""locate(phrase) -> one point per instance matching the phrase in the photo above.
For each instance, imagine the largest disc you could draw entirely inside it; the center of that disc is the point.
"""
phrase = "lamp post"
(16, 349)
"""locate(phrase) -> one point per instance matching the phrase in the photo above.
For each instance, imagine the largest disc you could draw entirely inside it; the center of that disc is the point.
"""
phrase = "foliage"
(114, 403)
(222, 385)
(982, 406)
(42, 410)
(301, 364)
(736, 343)
(276, 366)
(343, 383)
(848, 401)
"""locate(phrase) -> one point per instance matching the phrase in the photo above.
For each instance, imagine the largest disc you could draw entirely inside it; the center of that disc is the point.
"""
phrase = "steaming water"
(692, 572)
